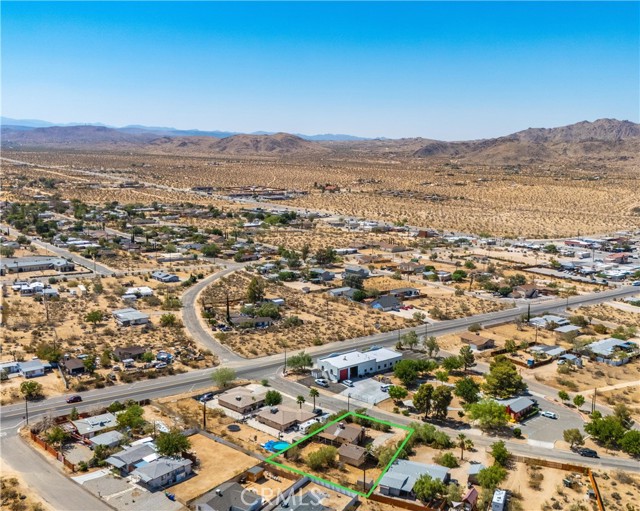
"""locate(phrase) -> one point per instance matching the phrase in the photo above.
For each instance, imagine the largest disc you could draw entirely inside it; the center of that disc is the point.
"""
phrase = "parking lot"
(367, 390)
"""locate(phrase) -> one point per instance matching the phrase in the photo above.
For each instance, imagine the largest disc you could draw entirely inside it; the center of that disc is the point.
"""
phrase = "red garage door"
(344, 374)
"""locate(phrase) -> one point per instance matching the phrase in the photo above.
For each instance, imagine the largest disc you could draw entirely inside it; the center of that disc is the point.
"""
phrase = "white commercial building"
(354, 364)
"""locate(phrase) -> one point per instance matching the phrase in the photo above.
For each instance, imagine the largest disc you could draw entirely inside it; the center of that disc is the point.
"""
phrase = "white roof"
(353, 358)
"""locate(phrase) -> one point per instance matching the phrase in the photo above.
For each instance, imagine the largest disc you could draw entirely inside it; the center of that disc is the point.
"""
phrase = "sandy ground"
(211, 472)
(13, 487)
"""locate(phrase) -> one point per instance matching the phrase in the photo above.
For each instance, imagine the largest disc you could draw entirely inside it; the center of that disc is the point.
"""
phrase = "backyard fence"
(51, 450)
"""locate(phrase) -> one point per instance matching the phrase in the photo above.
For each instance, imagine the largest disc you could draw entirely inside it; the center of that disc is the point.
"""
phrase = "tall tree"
(422, 399)
(431, 345)
(503, 379)
(467, 357)
(313, 394)
(223, 376)
(255, 290)
(172, 443)
(441, 400)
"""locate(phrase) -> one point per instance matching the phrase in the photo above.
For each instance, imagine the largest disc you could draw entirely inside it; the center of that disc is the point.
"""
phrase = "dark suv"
(74, 399)
(588, 453)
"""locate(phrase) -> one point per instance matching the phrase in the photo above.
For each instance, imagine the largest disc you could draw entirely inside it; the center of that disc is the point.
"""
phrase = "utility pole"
(284, 373)
(204, 415)
(26, 408)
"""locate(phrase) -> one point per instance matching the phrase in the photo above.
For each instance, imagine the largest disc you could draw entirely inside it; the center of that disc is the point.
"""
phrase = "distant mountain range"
(26, 124)
(604, 139)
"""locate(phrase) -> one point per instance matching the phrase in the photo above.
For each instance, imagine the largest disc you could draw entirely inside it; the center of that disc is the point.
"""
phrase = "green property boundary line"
(271, 459)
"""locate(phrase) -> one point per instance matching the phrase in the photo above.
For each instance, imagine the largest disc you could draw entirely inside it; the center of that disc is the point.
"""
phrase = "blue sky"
(438, 70)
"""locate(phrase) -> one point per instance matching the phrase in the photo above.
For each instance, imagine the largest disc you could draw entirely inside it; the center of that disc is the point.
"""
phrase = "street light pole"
(26, 408)
(348, 401)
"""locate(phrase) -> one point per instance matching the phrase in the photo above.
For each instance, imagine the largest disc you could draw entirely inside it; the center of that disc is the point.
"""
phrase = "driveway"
(366, 390)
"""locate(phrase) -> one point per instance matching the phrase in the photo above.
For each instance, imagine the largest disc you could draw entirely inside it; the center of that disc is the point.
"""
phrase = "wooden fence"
(51, 450)
(404, 504)
(570, 467)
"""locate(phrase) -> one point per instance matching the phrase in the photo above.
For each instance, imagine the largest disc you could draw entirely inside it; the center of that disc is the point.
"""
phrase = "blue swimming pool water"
(276, 446)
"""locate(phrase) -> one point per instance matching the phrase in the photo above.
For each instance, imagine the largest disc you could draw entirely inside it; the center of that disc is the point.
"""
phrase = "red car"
(74, 399)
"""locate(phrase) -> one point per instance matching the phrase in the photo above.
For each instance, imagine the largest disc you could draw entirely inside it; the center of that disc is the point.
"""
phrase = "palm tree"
(464, 443)
(313, 393)
(300, 400)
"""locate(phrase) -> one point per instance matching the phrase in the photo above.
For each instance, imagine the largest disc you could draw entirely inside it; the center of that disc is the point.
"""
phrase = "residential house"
(619, 258)
(346, 292)
(613, 351)
(128, 459)
(282, 418)
(109, 439)
(130, 317)
(477, 341)
(352, 454)
(242, 399)
(73, 366)
(354, 364)
(34, 263)
(567, 332)
(343, 433)
(163, 472)
(230, 496)
(470, 499)
(386, 303)
(247, 321)
(401, 477)
(140, 292)
(549, 351)
(359, 271)
(165, 277)
(10, 367)
(309, 501)
(411, 267)
(528, 291)
(549, 321)
(391, 248)
(405, 292)
(89, 426)
(133, 352)
(473, 471)
(32, 368)
(520, 407)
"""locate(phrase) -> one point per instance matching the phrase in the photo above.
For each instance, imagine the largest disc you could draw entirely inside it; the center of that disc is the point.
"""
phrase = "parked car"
(548, 414)
(162, 365)
(206, 397)
(588, 453)
(322, 382)
(385, 387)
(348, 383)
(317, 411)
(74, 399)
(116, 368)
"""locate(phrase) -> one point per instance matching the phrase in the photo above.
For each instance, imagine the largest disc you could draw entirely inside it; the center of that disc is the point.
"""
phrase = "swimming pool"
(276, 446)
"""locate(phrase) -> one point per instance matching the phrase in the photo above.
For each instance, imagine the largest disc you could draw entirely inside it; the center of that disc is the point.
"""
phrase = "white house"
(354, 364)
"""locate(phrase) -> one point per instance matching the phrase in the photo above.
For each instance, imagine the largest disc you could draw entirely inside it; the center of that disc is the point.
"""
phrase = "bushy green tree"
(489, 414)
(503, 380)
(172, 443)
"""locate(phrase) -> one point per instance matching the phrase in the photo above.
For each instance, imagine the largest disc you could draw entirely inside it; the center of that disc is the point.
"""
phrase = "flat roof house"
(282, 418)
(128, 459)
(130, 317)
(309, 501)
(477, 341)
(34, 263)
(405, 292)
(242, 400)
(548, 321)
(108, 439)
(353, 364)
(566, 332)
(230, 496)
(32, 368)
(400, 479)
(163, 472)
(89, 426)
(613, 351)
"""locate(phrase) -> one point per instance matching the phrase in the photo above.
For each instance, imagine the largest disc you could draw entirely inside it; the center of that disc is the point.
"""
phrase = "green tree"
(31, 389)
(313, 394)
(422, 399)
(431, 345)
(272, 398)
(354, 281)
(89, 364)
(467, 390)
(630, 442)
(511, 346)
(300, 400)
(463, 443)
(255, 290)
(397, 393)
(573, 437)
(467, 357)
(405, 371)
(94, 317)
(168, 320)
(489, 414)
(452, 363)
(223, 376)
(132, 417)
(300, 361)
(607, 430)
(563, 395)
(578, 400)
(491, 477)
(322, 458)
(410, 339)
(57, 436)
(427, 489)
(46, 351)
(500, 453)
(210, 250)
(447, 459)
(503, 379)
(172, 443)
(442, 376)
(441, 400)
(325, 256)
